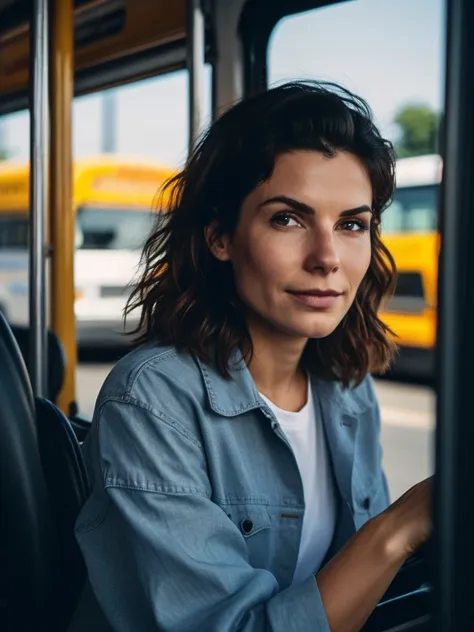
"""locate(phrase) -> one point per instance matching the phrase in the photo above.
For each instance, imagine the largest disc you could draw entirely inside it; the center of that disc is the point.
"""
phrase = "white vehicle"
(113, 217)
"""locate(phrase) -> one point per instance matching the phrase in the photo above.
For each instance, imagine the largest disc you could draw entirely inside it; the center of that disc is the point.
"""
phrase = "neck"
(276, 367)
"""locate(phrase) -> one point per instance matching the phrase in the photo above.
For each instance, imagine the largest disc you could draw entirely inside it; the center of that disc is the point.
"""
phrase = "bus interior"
(54, 50)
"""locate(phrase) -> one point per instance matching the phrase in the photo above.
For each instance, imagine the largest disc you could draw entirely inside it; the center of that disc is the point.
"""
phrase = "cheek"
(259, 265)
(358, 260)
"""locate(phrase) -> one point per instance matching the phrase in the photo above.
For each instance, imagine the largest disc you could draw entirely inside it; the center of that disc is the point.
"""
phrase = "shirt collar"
(238, 394)
(234, 395)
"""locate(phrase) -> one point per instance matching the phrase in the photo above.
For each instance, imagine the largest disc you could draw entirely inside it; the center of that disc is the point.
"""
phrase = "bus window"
(374, 48)
(14, 136)
(112, 229)
(413, 210)
(14, 241)
(147, 120)
(377, 50)
(112, 222)
(13, 231)
(149, 117)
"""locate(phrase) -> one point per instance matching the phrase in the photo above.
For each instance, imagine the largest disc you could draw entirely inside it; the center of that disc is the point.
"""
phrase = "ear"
(219, 245)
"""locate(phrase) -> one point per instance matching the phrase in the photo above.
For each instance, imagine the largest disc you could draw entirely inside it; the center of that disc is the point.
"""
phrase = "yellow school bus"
(409, 229)
(112, 204)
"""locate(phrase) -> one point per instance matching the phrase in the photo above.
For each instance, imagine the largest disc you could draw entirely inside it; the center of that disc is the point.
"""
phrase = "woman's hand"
(353, 582)
(409, 519)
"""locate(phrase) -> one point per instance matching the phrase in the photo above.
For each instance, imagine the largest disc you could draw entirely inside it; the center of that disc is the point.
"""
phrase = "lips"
(317, 292)
(317, 299)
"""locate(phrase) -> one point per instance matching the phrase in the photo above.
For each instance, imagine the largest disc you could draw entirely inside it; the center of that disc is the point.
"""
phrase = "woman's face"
(302, 244)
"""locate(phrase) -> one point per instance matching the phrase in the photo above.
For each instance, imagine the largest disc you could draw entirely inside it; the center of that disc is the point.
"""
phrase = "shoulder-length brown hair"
(187, 297)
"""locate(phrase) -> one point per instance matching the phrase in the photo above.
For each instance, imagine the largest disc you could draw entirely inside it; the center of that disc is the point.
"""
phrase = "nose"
(323, 253)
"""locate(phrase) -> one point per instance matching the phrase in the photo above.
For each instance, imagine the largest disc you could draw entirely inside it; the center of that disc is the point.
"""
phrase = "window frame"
(258, 20)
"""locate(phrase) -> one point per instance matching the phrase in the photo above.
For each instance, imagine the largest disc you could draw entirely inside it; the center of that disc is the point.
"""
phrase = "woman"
(235, 456)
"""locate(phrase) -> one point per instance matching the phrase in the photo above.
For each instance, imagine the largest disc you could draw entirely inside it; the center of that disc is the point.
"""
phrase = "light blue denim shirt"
(195, 516)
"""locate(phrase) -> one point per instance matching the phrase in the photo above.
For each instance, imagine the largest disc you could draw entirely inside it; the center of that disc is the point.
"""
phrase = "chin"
(320, 327)
(322, 332)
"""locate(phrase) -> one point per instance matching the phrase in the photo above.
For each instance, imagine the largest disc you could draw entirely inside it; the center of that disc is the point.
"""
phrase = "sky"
(391, 52)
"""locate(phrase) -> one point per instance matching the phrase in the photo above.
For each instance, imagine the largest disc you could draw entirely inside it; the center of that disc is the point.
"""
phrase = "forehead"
(311, 177)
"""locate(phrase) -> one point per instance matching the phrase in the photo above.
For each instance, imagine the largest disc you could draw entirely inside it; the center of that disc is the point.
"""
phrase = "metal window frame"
(454, 491)
(143, 65)
(258, 20)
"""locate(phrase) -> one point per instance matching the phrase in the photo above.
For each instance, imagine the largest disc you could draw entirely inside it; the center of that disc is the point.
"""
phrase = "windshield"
(13, 231)
(112, 228)
(413, 210)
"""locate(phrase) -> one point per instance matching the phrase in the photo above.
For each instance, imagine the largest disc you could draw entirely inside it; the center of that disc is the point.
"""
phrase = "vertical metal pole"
(228, 67)
(454, 497)
(62, 216)
(196, 60)
(39, 155)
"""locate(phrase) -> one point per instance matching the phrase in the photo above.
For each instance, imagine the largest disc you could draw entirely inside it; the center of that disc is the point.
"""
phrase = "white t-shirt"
(305, 434)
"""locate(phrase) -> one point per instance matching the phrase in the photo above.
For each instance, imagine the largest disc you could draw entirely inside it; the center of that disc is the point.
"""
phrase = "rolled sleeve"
(298, 608)
(163, 556)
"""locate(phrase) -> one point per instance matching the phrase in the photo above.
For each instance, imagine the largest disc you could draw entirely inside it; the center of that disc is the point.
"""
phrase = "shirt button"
(247, 526)
(366, 504)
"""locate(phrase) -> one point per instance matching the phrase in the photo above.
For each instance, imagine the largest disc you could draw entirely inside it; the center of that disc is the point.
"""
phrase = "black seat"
(56, 372)
(43, 484)
(26, 528)
(68, 488)
(56, 358)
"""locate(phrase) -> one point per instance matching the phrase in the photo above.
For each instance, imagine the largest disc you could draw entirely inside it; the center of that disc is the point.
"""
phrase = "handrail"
(39, 157)
(195, 63)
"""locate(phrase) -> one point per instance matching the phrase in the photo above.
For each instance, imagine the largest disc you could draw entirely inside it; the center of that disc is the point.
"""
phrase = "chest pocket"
(255, 524)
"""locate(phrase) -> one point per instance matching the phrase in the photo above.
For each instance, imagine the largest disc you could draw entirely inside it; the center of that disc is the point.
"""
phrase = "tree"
(3, 154)
(418, 125)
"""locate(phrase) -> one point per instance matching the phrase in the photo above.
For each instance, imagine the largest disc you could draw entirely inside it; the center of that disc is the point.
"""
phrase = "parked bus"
(410, 230)
(112, 205)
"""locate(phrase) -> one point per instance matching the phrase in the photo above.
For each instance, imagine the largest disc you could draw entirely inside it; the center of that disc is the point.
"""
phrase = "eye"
(354, 226)
(285, 220)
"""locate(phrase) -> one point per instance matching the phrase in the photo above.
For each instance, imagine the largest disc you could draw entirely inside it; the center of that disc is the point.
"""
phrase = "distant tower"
(109, 122)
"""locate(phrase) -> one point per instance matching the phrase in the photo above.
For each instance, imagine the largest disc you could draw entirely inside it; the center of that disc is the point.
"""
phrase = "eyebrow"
(305, 209)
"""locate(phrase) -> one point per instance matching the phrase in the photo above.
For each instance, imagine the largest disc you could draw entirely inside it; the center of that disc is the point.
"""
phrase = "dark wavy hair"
(188, 298)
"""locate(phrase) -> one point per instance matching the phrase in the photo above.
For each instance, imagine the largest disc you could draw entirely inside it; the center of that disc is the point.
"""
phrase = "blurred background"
(126, 141)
